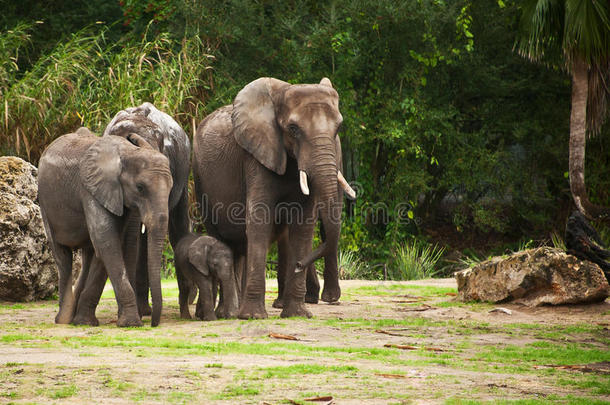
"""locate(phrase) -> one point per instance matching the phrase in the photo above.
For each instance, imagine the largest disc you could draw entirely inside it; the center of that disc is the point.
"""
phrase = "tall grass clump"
(416, 260)
(87, 79)
(351, 266)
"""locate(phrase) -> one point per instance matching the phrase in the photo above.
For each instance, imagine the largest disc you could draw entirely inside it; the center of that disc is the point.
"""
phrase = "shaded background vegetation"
(450, 136)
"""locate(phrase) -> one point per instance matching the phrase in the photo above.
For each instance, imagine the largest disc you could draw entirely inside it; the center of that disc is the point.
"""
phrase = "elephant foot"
(185, 314)
(211, 316)
(252, 310)
(126, 321)
(226, 313)
(85, 319)
(293, 308)
(199, 312)
(128, 316)
(331, 294)
(144, 309)
(63, 317)
(311, 299)
(278, 303)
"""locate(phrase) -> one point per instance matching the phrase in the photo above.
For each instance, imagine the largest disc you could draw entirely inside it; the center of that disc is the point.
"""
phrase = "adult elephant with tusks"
(164, 135)
(88, 188)
(264, 167)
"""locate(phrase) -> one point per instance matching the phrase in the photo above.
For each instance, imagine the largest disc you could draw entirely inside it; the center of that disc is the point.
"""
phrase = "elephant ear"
(255, 125)
(100, 169)
(198, 256)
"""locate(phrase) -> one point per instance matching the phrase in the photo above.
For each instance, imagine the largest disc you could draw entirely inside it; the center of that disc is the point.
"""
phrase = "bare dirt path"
(385, 343)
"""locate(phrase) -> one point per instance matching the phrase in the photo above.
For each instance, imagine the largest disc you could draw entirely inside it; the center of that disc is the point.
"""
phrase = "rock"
(534, 277)
(27, 268)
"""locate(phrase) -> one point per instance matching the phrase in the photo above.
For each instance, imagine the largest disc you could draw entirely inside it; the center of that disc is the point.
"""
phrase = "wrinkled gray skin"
(206, 262)
(332, 290)
(166, 136)
(88, 189)
(247, 160)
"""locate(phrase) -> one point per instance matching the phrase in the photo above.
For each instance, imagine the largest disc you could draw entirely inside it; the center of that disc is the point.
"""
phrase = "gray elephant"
(88, 188)
(253, 165)
(207, 262)
(166, 136)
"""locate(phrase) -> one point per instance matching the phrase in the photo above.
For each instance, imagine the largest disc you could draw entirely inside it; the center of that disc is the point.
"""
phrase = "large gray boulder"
(534, 277)
(27, 268)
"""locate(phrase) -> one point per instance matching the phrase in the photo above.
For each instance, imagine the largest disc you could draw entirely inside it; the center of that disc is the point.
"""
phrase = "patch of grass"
(597, 384)
(9, 338)
(416, 260)
(64, 392)
(542, 353)
(305, 369)
(386, 289)
(234, 390)
(214, 365)
(568, 400)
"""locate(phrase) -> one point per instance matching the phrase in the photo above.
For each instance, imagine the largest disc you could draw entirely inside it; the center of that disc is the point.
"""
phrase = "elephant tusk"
(143, 229)
(303, 182)
(345, 186)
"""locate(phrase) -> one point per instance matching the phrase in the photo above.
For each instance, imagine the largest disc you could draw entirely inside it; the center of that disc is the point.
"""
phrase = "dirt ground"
(384, 343)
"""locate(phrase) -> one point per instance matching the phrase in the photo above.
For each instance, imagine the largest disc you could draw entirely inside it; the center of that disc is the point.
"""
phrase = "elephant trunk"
(324, 180)
(156, 239)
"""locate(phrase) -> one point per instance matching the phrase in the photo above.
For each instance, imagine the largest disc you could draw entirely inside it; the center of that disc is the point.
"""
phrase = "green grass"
(64, 392)
(542, 353)
(234, 390)
(304, 369)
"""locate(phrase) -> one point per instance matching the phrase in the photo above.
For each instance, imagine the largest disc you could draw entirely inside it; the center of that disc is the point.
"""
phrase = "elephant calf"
(206, 261)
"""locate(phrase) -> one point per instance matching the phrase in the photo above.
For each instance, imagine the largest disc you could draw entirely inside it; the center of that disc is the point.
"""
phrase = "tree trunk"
(578, 139)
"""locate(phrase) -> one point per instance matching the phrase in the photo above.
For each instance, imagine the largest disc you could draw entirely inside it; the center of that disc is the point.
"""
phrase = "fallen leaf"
(401, 347)
(409, 347)
(388, 332)
(319, 399)
(280, 336)
(391, 375)
(601, 368)
(451, 294)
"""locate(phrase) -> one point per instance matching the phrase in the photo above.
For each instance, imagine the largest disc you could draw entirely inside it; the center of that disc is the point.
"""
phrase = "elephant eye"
(140, 187)
(293, 130)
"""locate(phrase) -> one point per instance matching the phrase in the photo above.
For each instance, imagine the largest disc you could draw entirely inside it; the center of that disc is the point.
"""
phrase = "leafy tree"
(574, 34)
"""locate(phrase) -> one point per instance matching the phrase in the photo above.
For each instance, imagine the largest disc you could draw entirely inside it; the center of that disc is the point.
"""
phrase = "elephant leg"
(142, 284)
(282, 267)
(63, 258)
(331, 291)
(86, 258)
(312, 285)
(199, 308)
(186, 288)
(183, 296)
(91, 294)
(239, 261)
(301, 239)
(228, 304)
(179, 226)
(253, 304)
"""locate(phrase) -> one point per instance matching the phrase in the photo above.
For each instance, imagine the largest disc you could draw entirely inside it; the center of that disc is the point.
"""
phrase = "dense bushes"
(449, 135)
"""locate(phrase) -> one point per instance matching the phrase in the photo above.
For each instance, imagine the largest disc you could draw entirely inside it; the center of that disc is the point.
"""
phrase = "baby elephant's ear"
(198, 256)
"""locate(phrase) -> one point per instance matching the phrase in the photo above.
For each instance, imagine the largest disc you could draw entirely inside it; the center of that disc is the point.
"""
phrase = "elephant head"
(273, 119)
(128, 173)
(212, 258)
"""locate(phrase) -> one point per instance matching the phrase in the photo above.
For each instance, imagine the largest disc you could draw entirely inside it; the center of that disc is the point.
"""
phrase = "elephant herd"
(266, 168)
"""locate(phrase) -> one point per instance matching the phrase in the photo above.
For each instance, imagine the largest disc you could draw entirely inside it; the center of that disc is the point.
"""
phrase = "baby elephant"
(206, 261)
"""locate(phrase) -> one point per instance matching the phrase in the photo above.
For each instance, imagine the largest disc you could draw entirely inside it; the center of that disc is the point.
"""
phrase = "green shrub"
(416, 260)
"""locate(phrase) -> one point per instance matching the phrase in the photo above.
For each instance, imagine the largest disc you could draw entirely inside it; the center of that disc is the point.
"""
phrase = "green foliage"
(416, 260)
(351, 267)
(168, 263)
(85, 80)
(446, 128)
